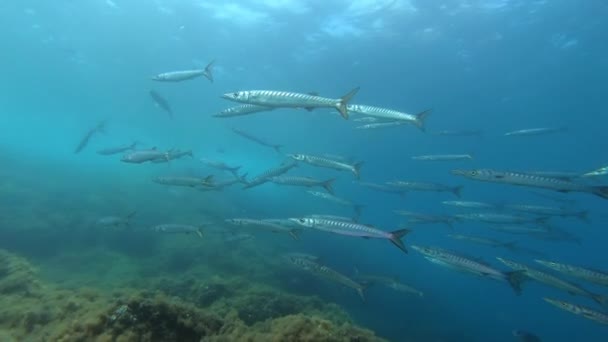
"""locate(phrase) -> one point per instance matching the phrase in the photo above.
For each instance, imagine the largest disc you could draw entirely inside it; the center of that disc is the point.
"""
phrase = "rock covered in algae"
(17, 276)
(298, 327)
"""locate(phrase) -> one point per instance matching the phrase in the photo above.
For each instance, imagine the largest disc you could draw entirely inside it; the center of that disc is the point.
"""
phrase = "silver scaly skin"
(553, 281)
(311, 265)
(523, 179)
(184, 75)
(548, 211)
(421, 186)
(242, 110)
(418, 120)
(342, 227)
(470, 204)
(444, 157)
(328, 163)
(591, 275)
(265, 224)
(268, 174)
(579, 310)
(462, 263)
(172, 228)
(285, 99)
(304, 181)
(185, 181)
(378, 125)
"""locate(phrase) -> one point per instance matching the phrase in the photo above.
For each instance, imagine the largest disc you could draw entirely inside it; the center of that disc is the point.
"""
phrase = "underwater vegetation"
(171, 310)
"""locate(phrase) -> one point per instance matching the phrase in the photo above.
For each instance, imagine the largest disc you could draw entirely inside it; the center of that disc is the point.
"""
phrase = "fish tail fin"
(277, 148)
(457, 191)
(189, 153)
(328, 185)
(134, 144)
(199, 232)
(207, 181)
(600, 299)
(295, 234)
(208, 73)
(601, 191)
(515, 278)
(357, 169)
(342, 105)
(242, 178)
(396, 237)
(421, 119)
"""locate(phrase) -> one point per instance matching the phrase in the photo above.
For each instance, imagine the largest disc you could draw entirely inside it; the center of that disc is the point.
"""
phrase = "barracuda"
(328, 163)
(184, 75)
(417, 120)
(591, 275)
(353, 229)
(523, 179)
(284, 99)
(579, 310)
(241, 111)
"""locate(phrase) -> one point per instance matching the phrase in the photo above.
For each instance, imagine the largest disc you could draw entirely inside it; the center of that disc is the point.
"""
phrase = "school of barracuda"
(530, 221)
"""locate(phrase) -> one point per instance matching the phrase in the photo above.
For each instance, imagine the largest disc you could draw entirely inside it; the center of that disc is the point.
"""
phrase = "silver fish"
(463, 263)
(284, 99)
(339, 200)
(443, 157)
(549, 211)
(312, 266)
(417, 120)
(174, 154)
(269, 174)
(368, 119)
(100, 128)
(161, 102)
(242, 110)
(460, 133)
(382, 188)
(564, 175)
(553, 281)
(257, 140)
(116, 221)
(353, 229)
(501, 218)
(511, 245)
(264, 224)
(378, 125)
(536, 131)
(591, 275)
(220, 166)
(426, 218)
(328, 163)
(186, 181)
(422, 186)
(115, 150)
(178, 76)
(172, 228)
(602, 171)
(308, 182)
(390, 282)
(142, 156)
(523, 179)
(470, 204)
(580, 310)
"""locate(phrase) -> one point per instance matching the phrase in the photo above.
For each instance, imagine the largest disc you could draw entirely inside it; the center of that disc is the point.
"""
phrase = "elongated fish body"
(174, 154)
(115, 221)
(172, 228)
(444, 157)
(257, 140)
(382, 188)
(481, 240)
(378, 125)
(265, 224)
(420, 186)
(242, 110)
(90, 133)
(161, 102)
(417, 120)
(501, 218)
(462, 263)
(602, 171)
(115, 150)
(580, 310)
(220, 166)
(469, 204)
(523, 179)
(312, 266)
(269, 174)
(331, 217)
(222, 184)
(184, 75)
(553, 281)
(525, 336)
(284, 99)
(568, 176)
(328, 163)
(352, 229)
(338, 200)
(368, 119)
(192, 182)
(591, 275)
(535, 131)
(390, 282)
(548, 211)
(138, 157)
(426, 218)
(308, 182)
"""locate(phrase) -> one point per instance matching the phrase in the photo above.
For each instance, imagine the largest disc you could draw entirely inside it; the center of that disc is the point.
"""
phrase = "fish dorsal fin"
(313, 93)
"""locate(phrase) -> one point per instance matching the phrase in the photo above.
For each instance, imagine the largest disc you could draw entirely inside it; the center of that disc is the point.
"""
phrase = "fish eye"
(236, 94)
(473, 173)
(302, 220)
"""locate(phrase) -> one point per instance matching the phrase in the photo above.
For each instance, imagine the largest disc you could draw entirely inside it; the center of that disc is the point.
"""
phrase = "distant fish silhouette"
(161, 102)
(85, 140)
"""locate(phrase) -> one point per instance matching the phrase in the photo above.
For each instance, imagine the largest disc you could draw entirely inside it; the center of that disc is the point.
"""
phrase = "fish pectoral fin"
(366, 237)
